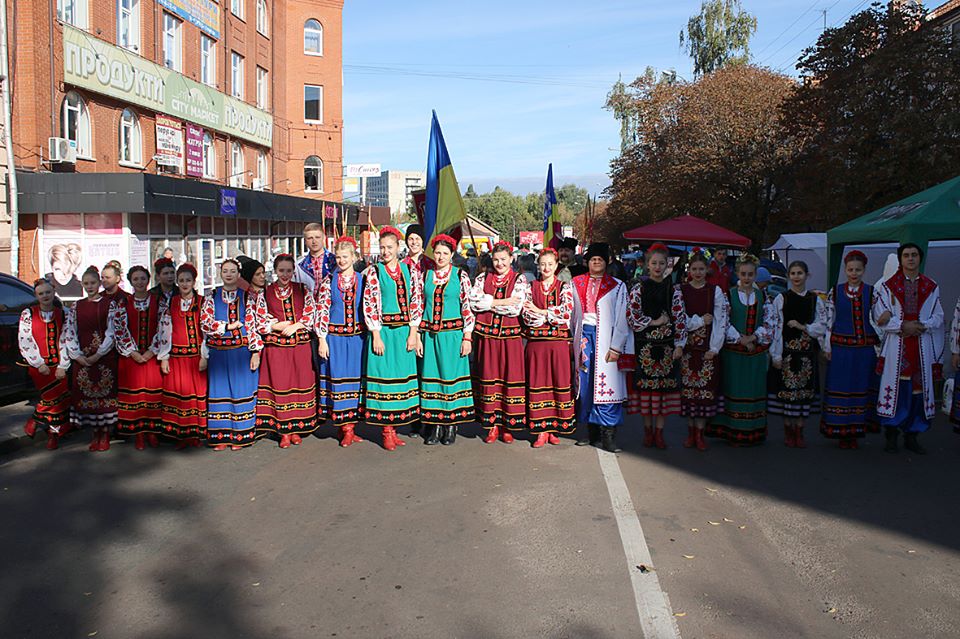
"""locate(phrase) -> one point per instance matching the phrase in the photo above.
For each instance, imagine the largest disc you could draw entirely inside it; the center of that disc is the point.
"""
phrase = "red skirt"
(287, 395)
(700, 377)
(140, 397)
(549, 390)
(53, 408)
(94, 393)
(501, 382)
(184, 412)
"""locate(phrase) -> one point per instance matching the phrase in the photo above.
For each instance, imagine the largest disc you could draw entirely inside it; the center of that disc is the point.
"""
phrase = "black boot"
(593, 436)
(891, 435)
(449, 435)
(910, 443)
(416, 430)
(608, 436)
(430, 433)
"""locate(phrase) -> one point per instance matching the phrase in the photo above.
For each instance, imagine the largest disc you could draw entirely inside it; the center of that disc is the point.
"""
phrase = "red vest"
(186, 337)
(490, 324)
(287, 310)
(47, 335)
(545, 300)
(92, 320)
(142, 325)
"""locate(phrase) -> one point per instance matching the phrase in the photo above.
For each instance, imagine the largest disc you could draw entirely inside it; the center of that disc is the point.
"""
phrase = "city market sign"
(93, 64)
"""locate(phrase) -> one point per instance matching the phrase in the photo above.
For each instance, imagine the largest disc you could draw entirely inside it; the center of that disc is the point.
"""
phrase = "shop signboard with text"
(93, 64)
(169, 142)
(204, 14)
(194, 151)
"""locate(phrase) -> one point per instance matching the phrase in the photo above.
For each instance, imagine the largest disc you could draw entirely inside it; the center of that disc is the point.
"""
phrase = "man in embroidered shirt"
(318, 262)
(911, 358)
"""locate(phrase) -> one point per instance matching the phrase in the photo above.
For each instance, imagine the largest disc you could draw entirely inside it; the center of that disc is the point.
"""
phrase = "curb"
(13, 444)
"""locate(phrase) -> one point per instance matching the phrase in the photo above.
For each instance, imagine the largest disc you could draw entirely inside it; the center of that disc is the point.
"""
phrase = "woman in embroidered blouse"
(497, 298)
(446, 392)
(955, 361)
(801, 320)
(547, 313)
(39, 338)
(341, 340)
(850, 387)
(136, 325)
(183, 362)
(88, 339)
(228, 320)
(707, 311)
(287, 394)
(110, 279)
(657, 317)
(393, 308)
(749, 332)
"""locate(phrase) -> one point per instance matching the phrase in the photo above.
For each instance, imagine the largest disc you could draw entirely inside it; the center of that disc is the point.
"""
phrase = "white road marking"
(653, 605)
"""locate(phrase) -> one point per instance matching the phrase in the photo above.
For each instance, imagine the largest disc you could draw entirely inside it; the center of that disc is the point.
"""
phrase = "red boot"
(221, 447)
(789, 437)
(139, 441)
(691, 439)
(30, 428)
(347, 436)
(648, 436)
(798, 437)
(105, 439)
(295, 439)
(701, 442)
(553, 439)
(53, 440)
(542, 440)
(285, 441)
(390, 438)
(492, 435)
(658, 439)
(853, 444)
(95, 441)
(506, 437)
(153, 440)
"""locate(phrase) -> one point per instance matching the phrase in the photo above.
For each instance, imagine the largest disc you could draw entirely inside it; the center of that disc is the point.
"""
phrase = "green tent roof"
(933, 214)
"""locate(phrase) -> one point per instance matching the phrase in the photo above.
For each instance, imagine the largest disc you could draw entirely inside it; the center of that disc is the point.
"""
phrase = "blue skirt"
(955, 407)
(338, 379)
(232, 397)
(588, 411)
(850, 393)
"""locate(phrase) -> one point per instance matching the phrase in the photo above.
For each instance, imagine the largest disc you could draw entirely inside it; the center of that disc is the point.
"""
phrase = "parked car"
(15, 295)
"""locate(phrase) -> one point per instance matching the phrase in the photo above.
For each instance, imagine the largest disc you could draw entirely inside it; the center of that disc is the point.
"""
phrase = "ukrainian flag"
(552, 229)
(444, 208)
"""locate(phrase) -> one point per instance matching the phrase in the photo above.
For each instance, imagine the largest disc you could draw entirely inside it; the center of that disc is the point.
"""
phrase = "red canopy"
(689, 230)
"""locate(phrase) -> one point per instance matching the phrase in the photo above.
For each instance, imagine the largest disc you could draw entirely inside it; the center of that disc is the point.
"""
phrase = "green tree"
(470, 192)
(718, 36)
(500, 208)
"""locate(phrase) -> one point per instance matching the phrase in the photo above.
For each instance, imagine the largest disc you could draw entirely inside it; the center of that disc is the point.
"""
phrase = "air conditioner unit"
(61, 150)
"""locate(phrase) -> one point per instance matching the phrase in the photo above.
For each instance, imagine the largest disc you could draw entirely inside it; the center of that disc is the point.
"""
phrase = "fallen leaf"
(694, 530)
(710, 490)
(832, 610)
(92, 634)
(729, 521)
(87, 594)
(911, 552)
(689, 556)
(253, 499)
(679, 614)
(742, 527)
(714, 523)
(644, 569)
(256, 584)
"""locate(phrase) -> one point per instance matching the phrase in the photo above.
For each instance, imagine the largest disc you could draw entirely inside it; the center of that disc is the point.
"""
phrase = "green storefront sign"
(93, 64)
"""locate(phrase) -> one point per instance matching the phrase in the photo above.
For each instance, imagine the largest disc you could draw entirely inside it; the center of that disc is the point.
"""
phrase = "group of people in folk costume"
(392, 346)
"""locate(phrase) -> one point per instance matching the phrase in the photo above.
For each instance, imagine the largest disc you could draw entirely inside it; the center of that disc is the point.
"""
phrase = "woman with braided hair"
(749, 332)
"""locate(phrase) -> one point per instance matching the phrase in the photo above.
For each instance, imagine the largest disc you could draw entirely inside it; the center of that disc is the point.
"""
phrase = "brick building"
(209, 127)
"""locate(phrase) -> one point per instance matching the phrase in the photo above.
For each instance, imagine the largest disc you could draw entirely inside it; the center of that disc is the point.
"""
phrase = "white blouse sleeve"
(480, 302)
(776, 344)
(818, 327)
(164, 334)
(955, 330)
(28, 346)
(69, 339)
(721, 317)
(519, 292)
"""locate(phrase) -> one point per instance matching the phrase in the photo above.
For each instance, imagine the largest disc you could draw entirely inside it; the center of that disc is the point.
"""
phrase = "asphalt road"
(477, 541)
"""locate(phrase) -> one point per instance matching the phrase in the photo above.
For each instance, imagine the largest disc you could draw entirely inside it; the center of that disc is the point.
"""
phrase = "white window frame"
(128, 11)
(315, 163)
(237, 170)
(74, 12)
(318, 30)
(130, 152)
(209, 153)
(172, 39)
(320, 114)
(262, 18)
(208, 60)
(81, 140)
(236, 75)
(263, 171)
(236, 8)
(263, 88)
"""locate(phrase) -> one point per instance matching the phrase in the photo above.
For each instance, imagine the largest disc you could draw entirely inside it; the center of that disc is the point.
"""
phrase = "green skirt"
(744, 382)
(390, 387)
(446, 391)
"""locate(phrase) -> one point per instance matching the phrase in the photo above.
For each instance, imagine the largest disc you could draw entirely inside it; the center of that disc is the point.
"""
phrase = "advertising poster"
(169, 142)
(65, 258)
(194, 151)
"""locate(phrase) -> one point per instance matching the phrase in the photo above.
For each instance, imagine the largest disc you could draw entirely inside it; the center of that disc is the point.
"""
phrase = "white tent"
(808, 247)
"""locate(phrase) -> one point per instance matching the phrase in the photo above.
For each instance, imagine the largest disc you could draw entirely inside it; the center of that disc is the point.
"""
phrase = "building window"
(236, 164)
(236, 75)
(172, 47)
(208, 60)
(263, 85)
(128, 24)
(263, 172)
(262, 16)
(75, 123)
(236, 8)
(73, 12)
(209, 157)
(312, 103)
(131, 148)
(312, 37)
(313, 175)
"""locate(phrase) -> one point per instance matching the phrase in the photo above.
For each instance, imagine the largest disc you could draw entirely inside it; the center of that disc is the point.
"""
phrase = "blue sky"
(519, 84)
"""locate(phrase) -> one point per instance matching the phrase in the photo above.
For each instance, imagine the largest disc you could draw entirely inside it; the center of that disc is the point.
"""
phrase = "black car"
(15, 295)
